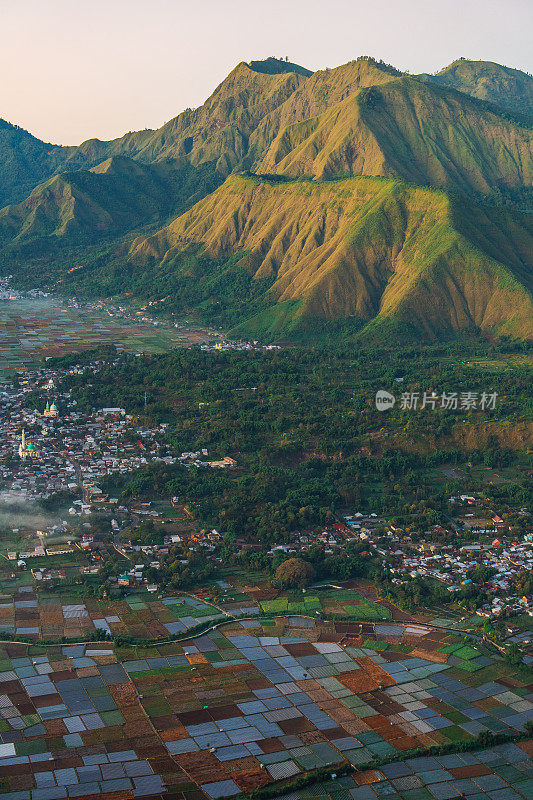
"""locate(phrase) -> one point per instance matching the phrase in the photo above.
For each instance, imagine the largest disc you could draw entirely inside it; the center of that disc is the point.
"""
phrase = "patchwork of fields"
(504, 772)
(35, 328)
(256, 701)
(47, 616)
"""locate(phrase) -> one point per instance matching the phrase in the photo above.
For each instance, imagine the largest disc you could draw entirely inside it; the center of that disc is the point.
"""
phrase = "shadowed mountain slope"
(24, 161)
(114, 196)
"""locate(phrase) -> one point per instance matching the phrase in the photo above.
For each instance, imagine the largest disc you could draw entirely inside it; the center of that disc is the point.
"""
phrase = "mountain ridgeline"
(292, 203)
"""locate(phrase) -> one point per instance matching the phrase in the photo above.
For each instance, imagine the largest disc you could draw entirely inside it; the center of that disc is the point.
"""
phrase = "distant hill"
(24, 161)
(114, 196)
(510, 89)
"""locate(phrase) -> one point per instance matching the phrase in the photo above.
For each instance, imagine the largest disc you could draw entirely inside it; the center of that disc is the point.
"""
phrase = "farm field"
(33, 329)
(45, 615)
(42, 613)
(254, 702)
(502, 772)
(333, 602)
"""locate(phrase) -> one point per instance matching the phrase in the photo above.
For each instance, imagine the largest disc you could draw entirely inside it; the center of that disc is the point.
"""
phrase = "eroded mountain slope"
(373, 249)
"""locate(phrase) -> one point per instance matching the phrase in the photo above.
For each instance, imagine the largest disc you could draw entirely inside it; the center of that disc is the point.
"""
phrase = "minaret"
(22, 445)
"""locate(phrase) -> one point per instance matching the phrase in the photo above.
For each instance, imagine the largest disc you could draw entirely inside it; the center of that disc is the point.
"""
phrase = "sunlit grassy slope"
(367, 248)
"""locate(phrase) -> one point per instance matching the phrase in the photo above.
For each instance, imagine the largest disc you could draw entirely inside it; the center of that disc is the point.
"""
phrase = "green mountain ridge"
(277, 66)
(115, 196)
(25, 161)
(321, 91)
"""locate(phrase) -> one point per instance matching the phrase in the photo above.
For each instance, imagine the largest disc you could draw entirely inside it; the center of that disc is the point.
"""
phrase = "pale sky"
(77, 69)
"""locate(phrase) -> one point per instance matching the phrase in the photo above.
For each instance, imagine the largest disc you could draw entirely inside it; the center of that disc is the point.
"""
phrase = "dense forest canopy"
(307, 437)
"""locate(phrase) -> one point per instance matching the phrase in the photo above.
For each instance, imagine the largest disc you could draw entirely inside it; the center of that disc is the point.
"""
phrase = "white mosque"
(26, 449)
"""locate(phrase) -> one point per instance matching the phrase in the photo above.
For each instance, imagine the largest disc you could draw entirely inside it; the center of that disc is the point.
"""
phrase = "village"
(56, 451)
(87, 567)
(215, 340)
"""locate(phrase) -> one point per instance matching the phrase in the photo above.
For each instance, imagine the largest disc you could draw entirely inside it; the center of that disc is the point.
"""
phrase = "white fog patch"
(19, 511)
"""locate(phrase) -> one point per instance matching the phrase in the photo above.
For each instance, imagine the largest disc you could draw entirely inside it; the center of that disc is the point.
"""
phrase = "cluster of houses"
(507, 606)
(67, 448)
(55, 448)
(227, 344)
(194, 459)
(507, 557)
(335, 536)
(8, 293)
(61, 449)
(452, 567)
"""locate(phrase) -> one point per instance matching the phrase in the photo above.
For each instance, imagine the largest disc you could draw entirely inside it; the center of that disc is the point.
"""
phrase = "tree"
(513, 656)
(481, 573)
(294, 573)
(486, 738)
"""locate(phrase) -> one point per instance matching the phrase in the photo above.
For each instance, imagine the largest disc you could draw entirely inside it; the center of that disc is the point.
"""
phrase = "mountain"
(114, 196)
(506, 88)
(216, 133)
(378, 251)
(323, 90)
(403, 128)
(363, 117)
(24, 161)
(298, 201)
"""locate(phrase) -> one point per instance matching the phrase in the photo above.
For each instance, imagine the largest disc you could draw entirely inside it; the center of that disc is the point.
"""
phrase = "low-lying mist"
(16, 511)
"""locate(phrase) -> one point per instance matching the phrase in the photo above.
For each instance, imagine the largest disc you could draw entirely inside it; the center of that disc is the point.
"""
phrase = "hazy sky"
(74, 69)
